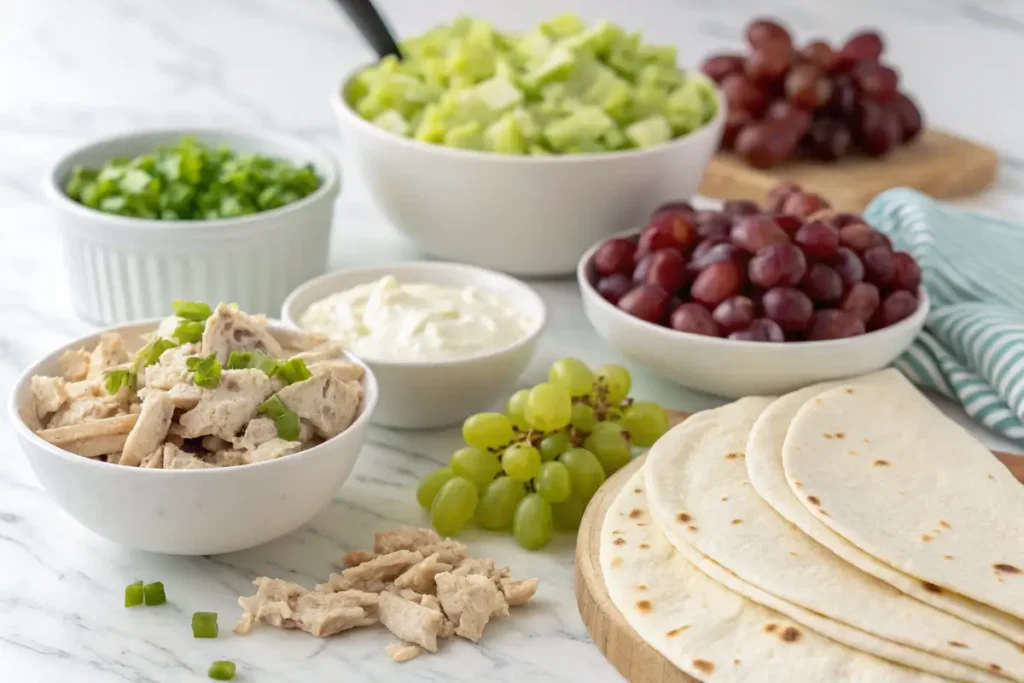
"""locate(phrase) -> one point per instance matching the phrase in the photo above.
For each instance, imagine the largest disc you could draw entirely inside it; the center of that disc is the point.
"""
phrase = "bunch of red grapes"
(817, 101)
(794, 272)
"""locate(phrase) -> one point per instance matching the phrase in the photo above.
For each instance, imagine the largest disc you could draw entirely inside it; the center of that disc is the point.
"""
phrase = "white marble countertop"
(74, 70)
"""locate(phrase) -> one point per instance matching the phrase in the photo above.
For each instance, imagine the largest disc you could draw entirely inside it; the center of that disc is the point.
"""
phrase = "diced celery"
(614, 139)
(466, 136)
(563, 25)
(649, 132)
(504, 136)
(598, 38)
(558, 64)
(390, 120)
(498, 93)
(587, 124)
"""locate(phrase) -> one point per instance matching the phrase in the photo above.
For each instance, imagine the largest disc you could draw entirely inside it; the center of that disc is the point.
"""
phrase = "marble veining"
(75, 70)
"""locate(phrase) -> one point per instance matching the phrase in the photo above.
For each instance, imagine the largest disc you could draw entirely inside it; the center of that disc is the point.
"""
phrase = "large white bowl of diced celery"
(519, 151)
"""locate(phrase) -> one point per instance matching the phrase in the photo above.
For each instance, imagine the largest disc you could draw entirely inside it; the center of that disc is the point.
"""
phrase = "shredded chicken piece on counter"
(470, 601)
(373, 574)
(403, 652)
(354, 557)
(410, 621)
(425, 541)
(420, 576)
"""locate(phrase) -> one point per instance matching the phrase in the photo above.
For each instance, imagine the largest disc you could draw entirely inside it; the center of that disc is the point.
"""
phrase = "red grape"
(804, 204)
(674, 302)
(820, 53)
(717, 282)
(735, 121)
(642, 268)
(841, 220)
(788, 307)
(822, 283)
(833, 323)
(817, 239)
(795, 119)
(723, 251)
(879, 128)
(808, 86)
(777, 264)
(740, 93)
(908, 273)
(778, 195)
(761, 32)
(860, 237)
(789, 224)
(768, 62)
(667, 270)
(877, 81)
(614, 287)
(717, 67)
(715, 225)
(911, 121)
(695, 319)
(848, 266)
(733, 208)
(753, 233)
(674, 231)
(861, 301)
(828, 139)
(684, 208)
(862, 47)
(735, 313)
(843, 102)
(767, 143)
(894, 308)
(761, 330)
(647, 302)
(615, 256)
(879, 265)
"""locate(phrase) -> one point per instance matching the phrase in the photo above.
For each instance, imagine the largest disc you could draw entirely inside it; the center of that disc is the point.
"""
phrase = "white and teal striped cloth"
(972, 349)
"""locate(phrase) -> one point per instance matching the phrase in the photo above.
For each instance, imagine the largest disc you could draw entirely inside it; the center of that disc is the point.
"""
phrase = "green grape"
(532, 524)
(610, 446)
(478, 466)
(453, 506)
(583, 417)
(521, 461)
(498, 503)
(553, 445)
(487, 430)
(645, 421)
(568, 513)
(553, 482)
(548, 407)
(431, 484)
(616, 380)
(515, 409)
(573, 374)
(585, 470)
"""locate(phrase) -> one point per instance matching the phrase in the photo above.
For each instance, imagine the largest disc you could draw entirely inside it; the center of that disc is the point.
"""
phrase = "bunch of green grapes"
(534, 467)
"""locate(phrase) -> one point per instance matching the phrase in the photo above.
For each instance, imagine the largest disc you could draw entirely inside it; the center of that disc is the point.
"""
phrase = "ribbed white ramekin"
(121, 269)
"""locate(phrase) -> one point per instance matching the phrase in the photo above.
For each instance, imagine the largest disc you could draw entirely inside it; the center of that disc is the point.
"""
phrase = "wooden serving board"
(625, 649)
(938, 164)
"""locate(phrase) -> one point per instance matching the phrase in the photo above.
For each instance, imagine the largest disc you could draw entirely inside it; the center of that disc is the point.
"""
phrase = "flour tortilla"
(764, 466)
(701, 498)
(920, 493)
(708, 631)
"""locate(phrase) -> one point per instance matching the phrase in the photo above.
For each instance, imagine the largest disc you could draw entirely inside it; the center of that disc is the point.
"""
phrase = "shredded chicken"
(410, 621)
(420, 576)
(271, 450)
(470, 601)
(49, 394)
(289, 605)
(224, 411)
(74, 365)
(259, 431)
(373, 574)
(227, 458)
(328, 403)
(517, 591)
(176, 459)
(109, 353)
(230, 330)
(403, 652)
(150, 429)
(354, 557)
(426, 541)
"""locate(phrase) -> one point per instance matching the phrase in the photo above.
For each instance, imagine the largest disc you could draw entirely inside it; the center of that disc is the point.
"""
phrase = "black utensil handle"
(371, 25)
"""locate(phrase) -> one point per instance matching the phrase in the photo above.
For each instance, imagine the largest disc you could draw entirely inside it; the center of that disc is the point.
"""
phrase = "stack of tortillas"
(845, 532)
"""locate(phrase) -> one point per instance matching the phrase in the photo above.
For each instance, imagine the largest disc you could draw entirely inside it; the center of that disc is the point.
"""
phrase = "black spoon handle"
(371, 25)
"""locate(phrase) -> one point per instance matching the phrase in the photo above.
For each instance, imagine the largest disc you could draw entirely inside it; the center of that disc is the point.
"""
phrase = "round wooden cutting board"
(627, 651)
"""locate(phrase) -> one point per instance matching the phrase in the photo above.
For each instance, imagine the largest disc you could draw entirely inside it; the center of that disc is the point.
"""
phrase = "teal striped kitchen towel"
(972, 349)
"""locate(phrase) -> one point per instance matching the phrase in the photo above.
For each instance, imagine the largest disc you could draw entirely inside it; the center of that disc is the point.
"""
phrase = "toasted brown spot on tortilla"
(770, 628)
(735, 662)
(822, 512)
(995, 667)
(798, 484)
(725, 498)
(636, 512)
(867, 440)
(794, 554)
(616, 561)
(672, 632)
(790, 634)
(849, 390)
(641, 587)
(642, 524)
(638, 490)
(813, 500)
(691, 528)
(736, 521)
(683, 517)
(644, 606)
(948, 557)
(881, 463)
(926, 538)
(991, 477)
(828, 436)
(840, 435)
(944, 524)
(1006, 568)
(851, 452)
(616, 531)
(619, 541)
(817, 400)
(703, 665)
(957, 643)
(644, 546)
(930, 587)
(733, 455)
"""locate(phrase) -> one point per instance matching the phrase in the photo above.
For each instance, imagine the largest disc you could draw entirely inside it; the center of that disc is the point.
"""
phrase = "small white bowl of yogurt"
(444, 340)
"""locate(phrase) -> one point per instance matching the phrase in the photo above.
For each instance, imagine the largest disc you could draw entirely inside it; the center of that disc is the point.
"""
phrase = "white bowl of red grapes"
(818, 101)
(745, 300)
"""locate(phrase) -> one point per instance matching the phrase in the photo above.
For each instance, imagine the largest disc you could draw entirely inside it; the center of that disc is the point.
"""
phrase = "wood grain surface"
(625, 649)
(938, 164)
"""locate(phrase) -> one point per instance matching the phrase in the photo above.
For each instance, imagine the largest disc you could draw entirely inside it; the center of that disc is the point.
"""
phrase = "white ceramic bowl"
(520, 214)
(122, 268)
(188, 512)
(427, 394)
(732, 368)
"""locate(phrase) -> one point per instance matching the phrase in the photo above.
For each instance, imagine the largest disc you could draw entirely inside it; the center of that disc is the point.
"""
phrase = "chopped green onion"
(262, 361)
(152, 351)
(239, 360)
(204, 625)
(287, 426)
(133, 594)
(222, 670)
(191, 310)
(115, 379)
(153, 594)
(293, 371)
(273, 407)
(189, 331)
(207, 370)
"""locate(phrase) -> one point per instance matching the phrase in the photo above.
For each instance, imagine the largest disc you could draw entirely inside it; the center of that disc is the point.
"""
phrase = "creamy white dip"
(417, 321)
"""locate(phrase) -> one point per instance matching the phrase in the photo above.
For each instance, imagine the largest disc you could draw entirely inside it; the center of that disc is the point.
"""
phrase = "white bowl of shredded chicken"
(207, 432)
